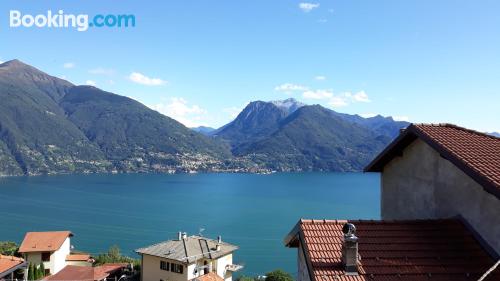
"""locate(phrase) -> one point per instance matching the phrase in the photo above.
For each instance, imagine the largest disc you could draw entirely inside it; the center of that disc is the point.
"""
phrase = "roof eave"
(292, 238)
(394, 148)
(411, 133)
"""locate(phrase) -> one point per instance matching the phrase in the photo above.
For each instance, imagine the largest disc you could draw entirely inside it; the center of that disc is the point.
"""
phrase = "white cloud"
(368, 115)
(307, 7)
(142, 79)
(401, 118)
(1, 61)
(318, 94)
(361, 97)
(336, 100)
(180, 110)
(289, 87)
(102, 71)
(91, 83)
(320, 78)
(111, 82)
(69, 65)
(330, 11)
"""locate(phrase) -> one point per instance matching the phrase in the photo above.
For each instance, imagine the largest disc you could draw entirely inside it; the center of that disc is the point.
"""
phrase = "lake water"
(254, 212)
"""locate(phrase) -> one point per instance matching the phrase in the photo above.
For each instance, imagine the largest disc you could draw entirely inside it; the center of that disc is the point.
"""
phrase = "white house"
(50, 248)
(188, 258)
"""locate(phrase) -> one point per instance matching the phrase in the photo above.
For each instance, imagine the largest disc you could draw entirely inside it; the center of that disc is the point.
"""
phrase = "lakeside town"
(440, 208)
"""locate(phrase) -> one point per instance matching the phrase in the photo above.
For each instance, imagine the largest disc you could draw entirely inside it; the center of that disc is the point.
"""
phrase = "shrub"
(278, 275)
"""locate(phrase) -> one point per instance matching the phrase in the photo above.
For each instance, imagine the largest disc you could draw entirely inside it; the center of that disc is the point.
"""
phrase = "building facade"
(443, 171)
(187, 258)
(49, 248)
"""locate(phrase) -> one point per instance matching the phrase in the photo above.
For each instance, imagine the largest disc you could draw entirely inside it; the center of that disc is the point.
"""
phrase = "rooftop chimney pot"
(179, 235)
(219, 239)
(350, 249)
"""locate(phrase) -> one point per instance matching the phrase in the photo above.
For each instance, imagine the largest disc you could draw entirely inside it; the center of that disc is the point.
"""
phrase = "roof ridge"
(450, 125)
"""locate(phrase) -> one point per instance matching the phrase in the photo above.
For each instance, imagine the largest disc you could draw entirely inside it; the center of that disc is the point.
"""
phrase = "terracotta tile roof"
(43, 241)
(9, 262)
(103, 271)
(211, 276)
(395, 250)
(477, 154)
(78, 257)
(85, 273)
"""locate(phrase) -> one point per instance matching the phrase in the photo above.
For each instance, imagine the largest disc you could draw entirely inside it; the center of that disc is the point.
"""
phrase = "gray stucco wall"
(423, 185)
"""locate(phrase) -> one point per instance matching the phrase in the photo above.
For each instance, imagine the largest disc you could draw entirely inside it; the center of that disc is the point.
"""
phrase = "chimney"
(179, 236)
(350, 249)
(184, 235)
(217, 247)
(219, 239)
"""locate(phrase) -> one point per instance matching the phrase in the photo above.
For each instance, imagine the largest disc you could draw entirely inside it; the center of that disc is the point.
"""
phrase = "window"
(46, 256)
(177, 268)
(164, 265)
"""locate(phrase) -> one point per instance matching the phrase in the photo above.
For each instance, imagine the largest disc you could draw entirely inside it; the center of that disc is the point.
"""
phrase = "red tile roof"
(477, 154)
(9, 262)
(86, 273)
(49, 241)
(394, 250)
(78, 257)
(211, 276)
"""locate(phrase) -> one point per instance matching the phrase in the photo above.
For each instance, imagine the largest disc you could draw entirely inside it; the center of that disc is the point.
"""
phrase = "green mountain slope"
(34, 129)
(133, 136)
(314, 138)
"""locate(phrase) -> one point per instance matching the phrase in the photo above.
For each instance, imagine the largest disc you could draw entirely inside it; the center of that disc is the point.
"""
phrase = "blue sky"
(200, 62)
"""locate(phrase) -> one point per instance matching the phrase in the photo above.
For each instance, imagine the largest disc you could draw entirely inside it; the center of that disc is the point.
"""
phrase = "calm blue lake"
(254, 212)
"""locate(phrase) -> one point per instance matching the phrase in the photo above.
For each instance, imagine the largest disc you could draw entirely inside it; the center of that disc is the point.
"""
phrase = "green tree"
(114, 252)
(9, 248)
(42, 270)
(31, 272)
(114, 256)
(278, 275)
(37, 272)
(245, 278)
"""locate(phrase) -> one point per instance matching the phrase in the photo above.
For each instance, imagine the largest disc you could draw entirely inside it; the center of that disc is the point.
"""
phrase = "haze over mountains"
(48, 125)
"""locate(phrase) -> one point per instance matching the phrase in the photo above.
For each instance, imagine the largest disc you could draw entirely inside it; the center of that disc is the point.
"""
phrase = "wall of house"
(151, 270)
(303, 273)
(423, 185)
(58, 258)
(35, 258)
(220, 267)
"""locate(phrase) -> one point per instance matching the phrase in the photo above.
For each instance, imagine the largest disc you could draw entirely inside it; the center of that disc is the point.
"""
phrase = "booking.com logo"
(61, 20)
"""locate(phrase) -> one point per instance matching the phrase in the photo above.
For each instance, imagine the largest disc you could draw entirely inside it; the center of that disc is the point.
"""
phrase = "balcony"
(234, 267)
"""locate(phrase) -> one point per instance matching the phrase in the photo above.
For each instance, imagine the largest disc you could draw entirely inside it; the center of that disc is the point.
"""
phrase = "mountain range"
(50, 126)
(291, 136)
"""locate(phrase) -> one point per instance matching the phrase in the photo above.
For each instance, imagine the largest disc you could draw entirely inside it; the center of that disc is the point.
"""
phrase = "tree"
(36, 275)
(245, 278)
(114, 252)
(278, 275)
(42, 270)
(31, 272)
(8, 248)
(113, 256)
